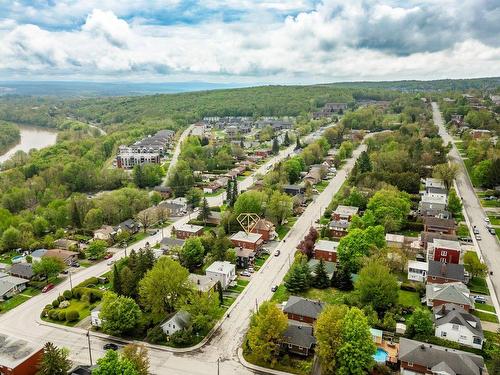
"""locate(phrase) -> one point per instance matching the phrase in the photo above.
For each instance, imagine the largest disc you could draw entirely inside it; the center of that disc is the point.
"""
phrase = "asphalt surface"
(24, 321)
(488, 247)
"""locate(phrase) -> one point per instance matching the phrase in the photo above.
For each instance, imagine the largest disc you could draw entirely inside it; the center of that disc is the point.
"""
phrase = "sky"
(248, 41)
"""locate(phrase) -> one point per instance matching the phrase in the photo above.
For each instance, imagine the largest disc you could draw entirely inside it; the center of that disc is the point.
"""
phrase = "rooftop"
(221, 267)
(14, 351)
(399, 238)
(246, 237)
(451, 313)
(299, 335)
(455, 292)
(441, 199)
(325, 245)
(446, 270)
(202, 283)
(346, 210)
(437, 222)
(434, 182)
(303, 307)
(446, 244)
(189, 228)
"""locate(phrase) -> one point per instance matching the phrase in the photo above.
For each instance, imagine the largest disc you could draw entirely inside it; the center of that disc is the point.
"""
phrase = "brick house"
(266, 229)
(442, 273)
(19, 357)
(187, 230)
(302, 309)
(298, 338)
(457, 293)
(338, 228)
(435, 224)
(445, 251)
(326, 250)
(252, 241)
(417, 357)
(344, 213)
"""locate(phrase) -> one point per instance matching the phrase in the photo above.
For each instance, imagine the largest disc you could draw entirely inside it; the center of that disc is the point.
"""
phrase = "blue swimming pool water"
(380, 356)
(17, 259)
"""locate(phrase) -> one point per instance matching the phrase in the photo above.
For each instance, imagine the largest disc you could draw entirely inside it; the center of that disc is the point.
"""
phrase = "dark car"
(110, 346)
(274, 288)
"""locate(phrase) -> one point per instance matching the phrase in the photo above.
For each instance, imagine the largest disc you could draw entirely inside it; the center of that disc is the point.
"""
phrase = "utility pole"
(218, 366)
(70, 281)
(90, 350)
(256, 305)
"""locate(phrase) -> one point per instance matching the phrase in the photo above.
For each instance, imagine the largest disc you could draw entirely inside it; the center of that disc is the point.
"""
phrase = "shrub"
(408, 287)
(96, 294)
(48, 307)
(156, 335)
(184, 337)
(53, 314)
(44, 313)
(61, 298)
(55, 303)
(61, 315)
(89, 281)
(72, 315)
(77, 293)
(64, 304)
(67, 294)
(85, 297)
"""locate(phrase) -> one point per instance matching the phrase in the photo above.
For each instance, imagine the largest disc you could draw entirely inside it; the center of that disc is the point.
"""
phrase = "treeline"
(9, 136)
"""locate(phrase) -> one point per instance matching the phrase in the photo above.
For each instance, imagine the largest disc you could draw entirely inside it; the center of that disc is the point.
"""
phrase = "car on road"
(492, 231)
(245, 273)
(274, 288)
(478, 237)
(487, 219)
(475, 230)
(110, 346)
(277, 253)
(250, 269)
(108, 255)
(480, 299)
(75, 264)
(110, 262)
(48, 287)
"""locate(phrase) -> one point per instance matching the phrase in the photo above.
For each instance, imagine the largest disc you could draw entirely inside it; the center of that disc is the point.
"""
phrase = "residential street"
(24, 321)
(489, 249)
(177, 152)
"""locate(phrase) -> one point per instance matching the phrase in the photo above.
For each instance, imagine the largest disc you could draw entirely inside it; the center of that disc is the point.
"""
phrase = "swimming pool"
(17, 259)
(380, 355)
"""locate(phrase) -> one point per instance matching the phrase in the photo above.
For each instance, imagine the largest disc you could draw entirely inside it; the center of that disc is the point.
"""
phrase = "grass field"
(409, 299)
(463, 231)
(478, 285)
(321, 186)
(495, 203)
(331, 296)
(485, 307)
(485, 316)
(282, 230)
(83, 308)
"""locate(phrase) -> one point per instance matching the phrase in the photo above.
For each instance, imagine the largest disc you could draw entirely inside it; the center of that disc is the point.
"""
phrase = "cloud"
(273, 41)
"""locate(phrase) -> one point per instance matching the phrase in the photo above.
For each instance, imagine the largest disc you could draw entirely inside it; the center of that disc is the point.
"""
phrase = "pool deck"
(391, 349)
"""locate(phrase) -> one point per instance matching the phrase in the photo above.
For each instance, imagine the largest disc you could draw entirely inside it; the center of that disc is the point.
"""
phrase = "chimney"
(422, 347)
(443, 269)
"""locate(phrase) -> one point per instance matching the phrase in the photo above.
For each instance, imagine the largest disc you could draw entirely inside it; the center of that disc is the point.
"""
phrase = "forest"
(9, 136)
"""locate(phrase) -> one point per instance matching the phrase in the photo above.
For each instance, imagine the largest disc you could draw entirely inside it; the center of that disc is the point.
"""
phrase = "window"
(289, 346)
(443, 334)
(444, 253)
(477, 340)
(454, 327)
(410, 364)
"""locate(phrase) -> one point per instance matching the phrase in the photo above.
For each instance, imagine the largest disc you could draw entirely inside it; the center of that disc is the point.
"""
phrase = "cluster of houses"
(16, 277)
(147, 150)
(330, 109)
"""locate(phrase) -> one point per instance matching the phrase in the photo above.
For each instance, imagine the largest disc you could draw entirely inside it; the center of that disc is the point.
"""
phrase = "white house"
(95, 320)
(179, 321)
(417, 271)
(455, 324)
(225, 272)
(10, 286)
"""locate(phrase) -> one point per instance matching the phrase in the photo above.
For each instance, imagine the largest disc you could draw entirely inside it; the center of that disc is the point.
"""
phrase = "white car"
(478, 237)
(245, 273)
(110, 262)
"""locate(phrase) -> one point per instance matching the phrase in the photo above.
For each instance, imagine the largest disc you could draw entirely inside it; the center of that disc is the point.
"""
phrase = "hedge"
(67, 294)
(72, 315)
(90, 281)
(55, 303)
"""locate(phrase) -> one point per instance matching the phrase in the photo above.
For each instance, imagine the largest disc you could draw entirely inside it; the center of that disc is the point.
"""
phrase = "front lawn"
(463, 231)
(409, 299)
(485, 307)
(282, 230)
(287, 363)
(478, 285)
(494, 220)
(493, 203)
(485, 316)
(259, 262)
(331, 296)
(12, 303)
(82, 307)
(321, 186)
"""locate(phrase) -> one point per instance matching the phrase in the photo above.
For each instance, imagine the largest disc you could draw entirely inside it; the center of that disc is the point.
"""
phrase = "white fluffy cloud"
(334, 40)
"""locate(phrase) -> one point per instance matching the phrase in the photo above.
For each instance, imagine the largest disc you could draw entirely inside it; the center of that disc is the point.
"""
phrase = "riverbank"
(30, 137)
(10, 135)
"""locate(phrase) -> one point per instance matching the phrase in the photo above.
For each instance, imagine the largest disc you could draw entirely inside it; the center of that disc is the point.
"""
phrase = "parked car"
(110, 346)
(245, 273)
(480, 299)
(478, 237)
(274, 288)
(277, 253)
(110, 262)
(75, 264)
(475, 230)
(108, 255)
(250, 269)
(492, 231)
(48, 287)
(487, 219)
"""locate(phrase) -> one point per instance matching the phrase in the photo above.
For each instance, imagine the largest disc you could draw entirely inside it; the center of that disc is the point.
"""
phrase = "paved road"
(488, 248)
(177, 152)
(23, 322)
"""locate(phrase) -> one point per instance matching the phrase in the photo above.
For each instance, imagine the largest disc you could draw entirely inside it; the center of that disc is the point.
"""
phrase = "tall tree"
(276, 147)
(328, 331)
(321, 279)
(54, 361)
(192, 253)
(234, 194)
(117, 284)
(280, 207)
(446, 172)
(266, 330)
(48, 267)
(162, 286)
(204, 211)
(229, 192)
(454, 203)
(473, 265)
(355, 355)
(138, 356)
(286, 140)
(194, 196)
(297, 144)
(364, 163)
(377, 286)
(119, 314)
(420, 323)
(113, 364)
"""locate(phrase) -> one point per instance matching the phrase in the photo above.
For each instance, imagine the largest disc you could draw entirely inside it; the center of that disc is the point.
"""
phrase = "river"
(31, 137)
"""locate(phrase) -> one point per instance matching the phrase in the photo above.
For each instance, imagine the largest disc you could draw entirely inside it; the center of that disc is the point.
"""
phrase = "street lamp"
(70, 281)
(90, 350)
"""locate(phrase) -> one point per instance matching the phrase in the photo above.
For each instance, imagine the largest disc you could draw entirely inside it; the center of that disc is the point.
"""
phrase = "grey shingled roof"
(429, 355)
(303, 307)
(446, 270)
(299, 335)
(24, 270)
(451, 313)
(456, 293)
